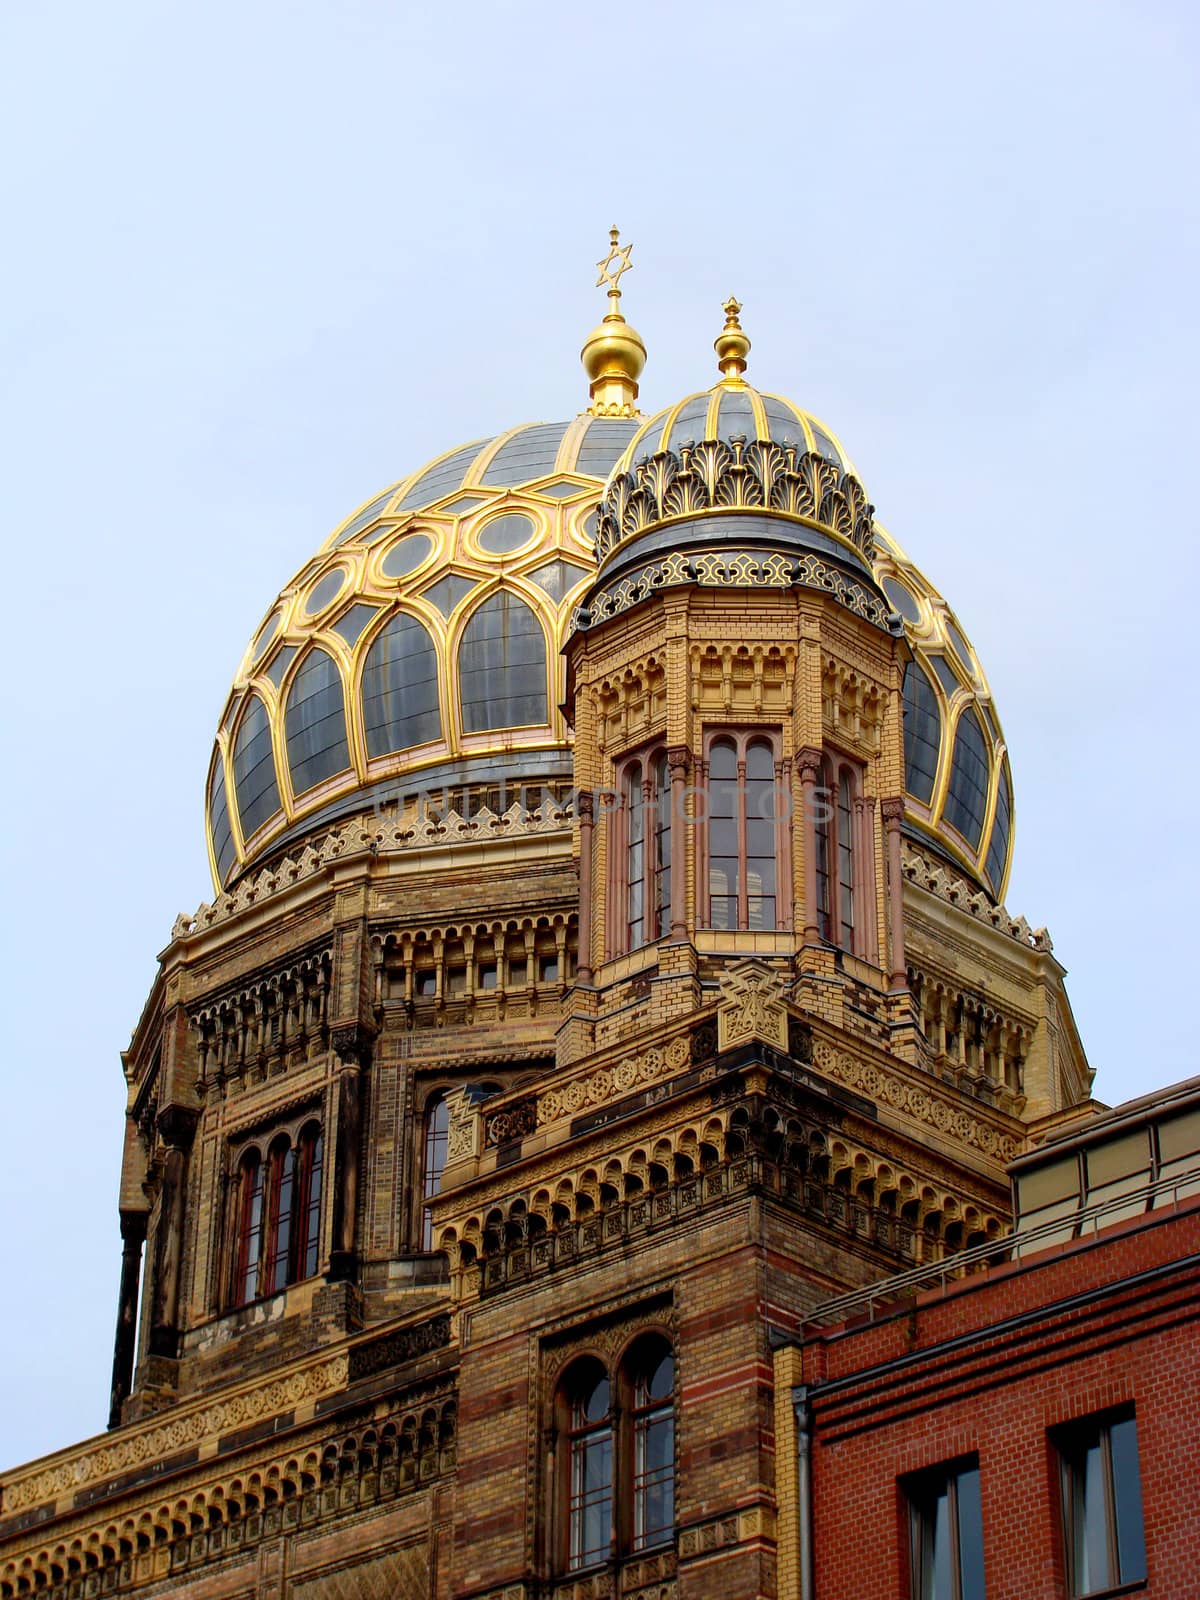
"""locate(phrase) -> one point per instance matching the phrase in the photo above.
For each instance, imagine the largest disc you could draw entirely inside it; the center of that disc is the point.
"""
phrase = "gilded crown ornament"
(613, 354)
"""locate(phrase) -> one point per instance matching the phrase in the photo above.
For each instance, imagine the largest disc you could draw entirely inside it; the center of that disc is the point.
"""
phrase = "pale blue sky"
(262, 259)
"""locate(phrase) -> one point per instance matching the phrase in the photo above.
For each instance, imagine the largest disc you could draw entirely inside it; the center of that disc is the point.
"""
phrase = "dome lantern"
(613, 354)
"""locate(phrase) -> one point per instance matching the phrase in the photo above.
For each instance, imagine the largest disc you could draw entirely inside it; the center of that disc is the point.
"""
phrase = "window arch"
(616, 1454)
(315, 722)
(502, 666)
(437, 1137)
(641, 853)
(745, 837)
(399, 687)
(277, 1212)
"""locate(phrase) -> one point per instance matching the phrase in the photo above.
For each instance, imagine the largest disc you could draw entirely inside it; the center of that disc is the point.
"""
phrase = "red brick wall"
(989, 1367)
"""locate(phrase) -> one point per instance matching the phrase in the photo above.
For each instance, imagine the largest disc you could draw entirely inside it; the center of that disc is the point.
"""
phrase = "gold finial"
(613, 354)
(731, 344)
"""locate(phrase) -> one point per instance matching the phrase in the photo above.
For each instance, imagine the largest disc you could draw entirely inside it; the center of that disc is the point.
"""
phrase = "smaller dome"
(731, 410)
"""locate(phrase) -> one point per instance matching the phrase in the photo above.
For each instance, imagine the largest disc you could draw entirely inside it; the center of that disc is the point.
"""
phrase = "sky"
(263, 259)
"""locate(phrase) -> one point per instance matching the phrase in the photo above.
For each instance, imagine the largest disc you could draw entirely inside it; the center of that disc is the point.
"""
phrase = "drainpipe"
(803, 1414)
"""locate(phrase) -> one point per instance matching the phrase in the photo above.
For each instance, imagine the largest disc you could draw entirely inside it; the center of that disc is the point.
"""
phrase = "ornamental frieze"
(737, 475)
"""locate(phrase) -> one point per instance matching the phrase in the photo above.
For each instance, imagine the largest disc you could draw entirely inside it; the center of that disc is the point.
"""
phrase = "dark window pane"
(502, 666)
(922, 733)
(315, 722)
(505, 534)
(1127, 1500)
(325, 591)
(997, 857)
(400, 688)
(904, 602)
(970, 1535)
(406, 555)
(254, 769)
(969, 772)
(218, 821)
(946, 675)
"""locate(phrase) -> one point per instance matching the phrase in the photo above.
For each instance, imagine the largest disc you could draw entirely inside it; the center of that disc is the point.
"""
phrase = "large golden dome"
(420, 648)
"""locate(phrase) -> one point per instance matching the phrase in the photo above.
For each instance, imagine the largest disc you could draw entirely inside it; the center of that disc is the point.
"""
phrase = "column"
(678, 760)
(133, 1237)
(809, 761)
(176, 1125)
(585, 809)
(893, 816)
(352, 1045)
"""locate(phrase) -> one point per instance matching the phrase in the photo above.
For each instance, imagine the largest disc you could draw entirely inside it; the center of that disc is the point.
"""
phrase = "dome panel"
(254, 781)
(502, 666)
(966, 800)
(922, 733)
(325, 591)
(400, 688)
(601, 445)
(736, 415)
(352, 624)
(443, 476)
(315, 722)
(530, 454)
(903, 601)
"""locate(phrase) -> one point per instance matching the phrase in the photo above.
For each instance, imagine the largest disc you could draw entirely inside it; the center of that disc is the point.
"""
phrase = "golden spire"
(613, 354)
(731, 344)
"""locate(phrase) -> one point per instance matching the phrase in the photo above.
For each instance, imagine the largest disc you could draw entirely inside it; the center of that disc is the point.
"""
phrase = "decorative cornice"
(955, 891)
(739, 475)
(379, 835)
(731, 568)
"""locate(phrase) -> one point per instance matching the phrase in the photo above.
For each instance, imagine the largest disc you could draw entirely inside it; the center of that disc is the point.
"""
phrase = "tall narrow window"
(1102, 1504)
(760, 836)
(946, 1524)
(724, 881)
(308, 1208)
(283, 1190)
(635, 857)
(745, 877)
(437, 1133)
(654, 1453)
(641, 883)
(250, 1230)
(662, 845)
(845, 839)
(590, 1452)
(834, 846)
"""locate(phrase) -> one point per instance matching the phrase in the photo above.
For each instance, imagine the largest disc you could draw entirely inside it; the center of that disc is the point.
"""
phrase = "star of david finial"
(610, 272)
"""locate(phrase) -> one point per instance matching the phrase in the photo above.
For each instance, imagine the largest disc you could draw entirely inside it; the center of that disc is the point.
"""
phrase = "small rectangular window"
(426, 983)
(946, 1532)
(547, 969)
(516, 974)
(487, 975)
(1103, 1537)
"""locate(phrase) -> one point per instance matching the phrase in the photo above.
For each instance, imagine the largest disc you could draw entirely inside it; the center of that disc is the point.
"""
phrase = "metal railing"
(1069, 1228)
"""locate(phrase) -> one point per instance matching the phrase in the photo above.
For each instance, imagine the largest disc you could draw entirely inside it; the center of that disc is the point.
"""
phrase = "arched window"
(966, 799)
(502, 666)
(653, 1424)
(616, 1453)
(641, 854)
(437, 1135)
(590, 1471)
(315, 722)
(400, 688)
(278, 1215)
(308, 1202)
(283, 1195)
(746, 845)
(836, 839)
(254, 768)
